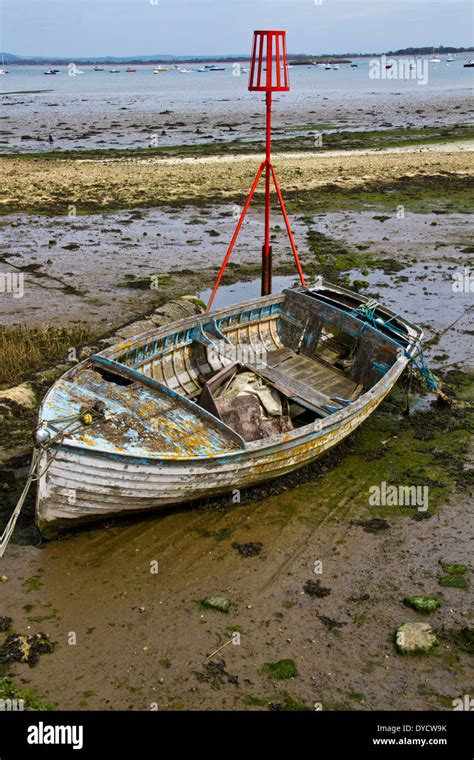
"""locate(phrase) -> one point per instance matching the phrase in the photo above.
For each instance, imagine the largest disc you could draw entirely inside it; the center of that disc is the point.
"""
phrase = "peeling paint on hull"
(91, 487)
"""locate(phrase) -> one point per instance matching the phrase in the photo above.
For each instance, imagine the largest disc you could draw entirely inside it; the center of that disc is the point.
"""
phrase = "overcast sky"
(199, 27)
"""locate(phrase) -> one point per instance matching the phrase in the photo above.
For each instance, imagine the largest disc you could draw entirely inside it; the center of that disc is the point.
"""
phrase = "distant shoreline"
(295, 59)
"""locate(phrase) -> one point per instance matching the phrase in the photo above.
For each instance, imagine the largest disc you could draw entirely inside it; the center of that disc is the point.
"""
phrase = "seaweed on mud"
(464, 639)
(251, 549)
(289, 704)
(363, 598)
(374, 525)
(330, 623)
(27, 649)
(5, 624)
(216, 675)
(314, 588)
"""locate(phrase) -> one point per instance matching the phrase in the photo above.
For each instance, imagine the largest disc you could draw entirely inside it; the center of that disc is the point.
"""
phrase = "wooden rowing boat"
(154, 421)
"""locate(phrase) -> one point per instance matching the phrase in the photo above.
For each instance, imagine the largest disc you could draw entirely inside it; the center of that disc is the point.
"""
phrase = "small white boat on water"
(114, 71)
(98, 68)
(3, 72)
(160, 69)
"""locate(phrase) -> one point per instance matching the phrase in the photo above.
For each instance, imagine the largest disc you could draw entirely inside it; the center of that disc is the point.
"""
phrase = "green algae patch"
(33, 584)
(219, 603)
(23, 699)
(420, 192)
(454, 576)
(464, 640)
(255, 702)
(289, 704)
(454, 569)
(426, 605)
(454, 581)
(335, 256)
(283, 669)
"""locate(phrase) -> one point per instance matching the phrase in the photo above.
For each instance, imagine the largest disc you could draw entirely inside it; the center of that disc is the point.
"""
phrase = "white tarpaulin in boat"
(247, 383)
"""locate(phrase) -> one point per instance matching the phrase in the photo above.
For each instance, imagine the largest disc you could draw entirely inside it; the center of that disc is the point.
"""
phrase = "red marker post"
(269, 74)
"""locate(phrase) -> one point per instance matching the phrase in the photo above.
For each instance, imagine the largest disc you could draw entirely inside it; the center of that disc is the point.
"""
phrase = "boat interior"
(221, 381)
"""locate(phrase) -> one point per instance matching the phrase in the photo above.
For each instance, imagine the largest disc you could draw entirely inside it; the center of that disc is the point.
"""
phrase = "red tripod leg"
(236, 234)
(288, 227)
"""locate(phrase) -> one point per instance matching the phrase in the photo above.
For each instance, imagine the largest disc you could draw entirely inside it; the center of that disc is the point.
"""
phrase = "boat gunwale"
(137, 341)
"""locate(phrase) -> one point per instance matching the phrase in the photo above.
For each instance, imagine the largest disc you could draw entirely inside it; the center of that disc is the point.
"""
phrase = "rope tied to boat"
(43, 442)
(367, 311)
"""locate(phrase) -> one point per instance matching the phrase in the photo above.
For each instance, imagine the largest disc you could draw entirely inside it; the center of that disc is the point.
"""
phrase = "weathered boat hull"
(82, 483)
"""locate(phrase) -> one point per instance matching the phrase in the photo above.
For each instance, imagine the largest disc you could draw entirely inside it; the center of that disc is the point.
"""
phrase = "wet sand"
(76, 121)
(143, 639)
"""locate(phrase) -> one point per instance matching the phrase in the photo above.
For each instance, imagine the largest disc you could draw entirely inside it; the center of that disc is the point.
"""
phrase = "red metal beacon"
(269, 74)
